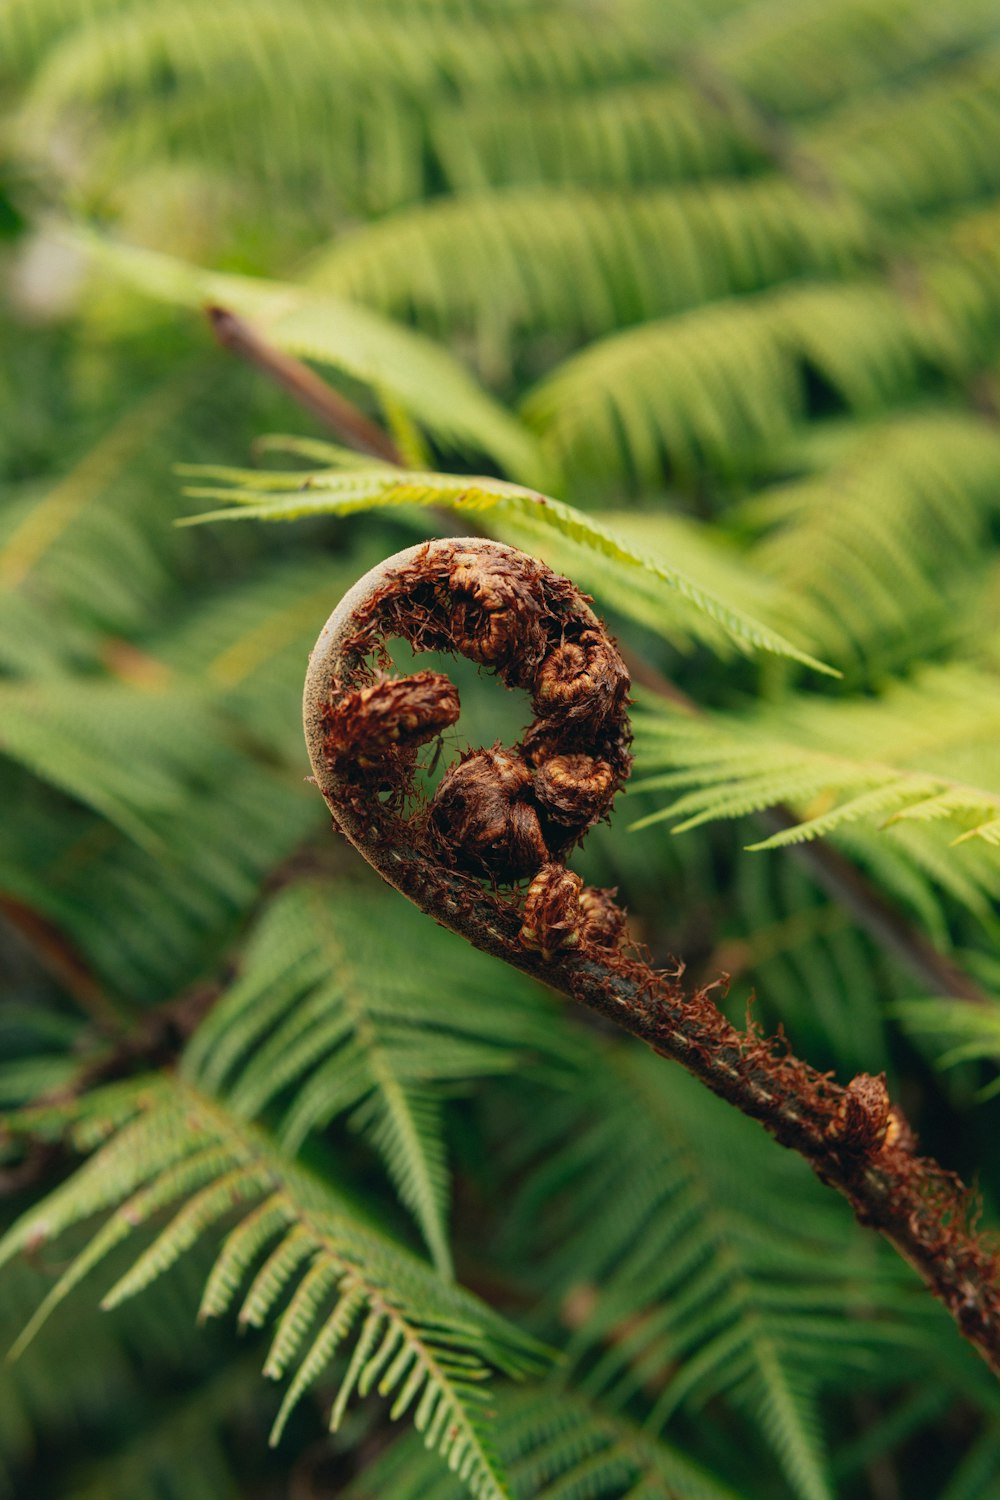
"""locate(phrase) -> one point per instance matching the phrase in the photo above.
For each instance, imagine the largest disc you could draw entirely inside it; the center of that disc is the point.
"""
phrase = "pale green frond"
(332, 1333)
(130, 756)
(956, 1033)
(417, 51)
(579, 262)
(925, 747)
(798, 57)
(202, 1208)
(239, 1251)
(323, 1020)
(174, 81)
(721, 387)
(629, 134)
(450, 1343)
(923, 149)
(556, 1445)
(702, 1288)
(876, 551)
(428, 381)
(524, 516)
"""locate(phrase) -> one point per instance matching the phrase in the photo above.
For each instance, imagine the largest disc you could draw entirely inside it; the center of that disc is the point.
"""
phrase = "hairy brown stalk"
(485, 856)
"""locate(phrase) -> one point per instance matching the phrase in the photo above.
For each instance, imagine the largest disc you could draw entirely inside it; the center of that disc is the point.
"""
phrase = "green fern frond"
(955, 1034)
(174, 78)
(424, 377)
(91, 1370)
(75, 550)
(183, 1450)
(323, 1019)
(702, 1288)
(877, 551)
(719, 386)
(630, 134)
(979, 1470)
(928, 755)
(424, 1341)
(797, 57)
(524, 518)
(812, 969)
(927, 148)
(149, 921)
(558, 1445)
(244, 644)
(131, 757)
(580, 262)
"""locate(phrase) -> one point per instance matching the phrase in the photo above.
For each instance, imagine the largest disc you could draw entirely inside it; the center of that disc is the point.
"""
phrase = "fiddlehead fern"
(485, 856)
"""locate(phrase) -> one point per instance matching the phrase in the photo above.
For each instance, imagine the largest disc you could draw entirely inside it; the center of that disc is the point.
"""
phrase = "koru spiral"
(502, 819)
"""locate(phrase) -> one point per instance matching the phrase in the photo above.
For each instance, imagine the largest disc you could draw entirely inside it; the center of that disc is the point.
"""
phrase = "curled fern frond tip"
(501, 816)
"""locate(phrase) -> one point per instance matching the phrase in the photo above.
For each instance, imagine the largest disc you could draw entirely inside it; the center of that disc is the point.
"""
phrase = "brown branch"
(57, 955)
(508, 815)
(303, 385)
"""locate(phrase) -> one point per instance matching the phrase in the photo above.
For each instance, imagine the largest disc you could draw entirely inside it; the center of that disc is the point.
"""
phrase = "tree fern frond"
(795, 57)
(425, 378)
(75, 550)
(955, 1033)
(702, 1288)
(182, 1450)
(581, 262)
(925, 148)
(176, 78)
(447, 1341)
(525, 517)
(29, 541)
(876, 552)
(323, 1019)
(656, 130)
(132, 757)
(245, 644)
(813, 971)
(147, 921)
(716, 387)
(89, 1368)
(919, 868)
(979, 1470)
(556, 1445)
(928, 756)
(418, 51)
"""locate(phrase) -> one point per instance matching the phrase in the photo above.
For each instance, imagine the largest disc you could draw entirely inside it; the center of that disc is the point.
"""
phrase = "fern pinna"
(698, 305)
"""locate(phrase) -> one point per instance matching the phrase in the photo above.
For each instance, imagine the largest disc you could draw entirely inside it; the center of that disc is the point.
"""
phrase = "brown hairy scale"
(483, 819)
(392, 713)
(571, 787)
(485, 857)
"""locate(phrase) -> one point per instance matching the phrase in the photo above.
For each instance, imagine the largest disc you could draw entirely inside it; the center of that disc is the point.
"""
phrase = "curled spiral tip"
(500, 815)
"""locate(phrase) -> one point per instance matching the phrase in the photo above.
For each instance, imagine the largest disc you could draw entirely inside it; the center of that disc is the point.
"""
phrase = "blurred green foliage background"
(723, 276)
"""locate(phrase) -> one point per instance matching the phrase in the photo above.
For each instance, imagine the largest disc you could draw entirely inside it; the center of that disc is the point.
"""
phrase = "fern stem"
(447, 595)
(303, 385)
